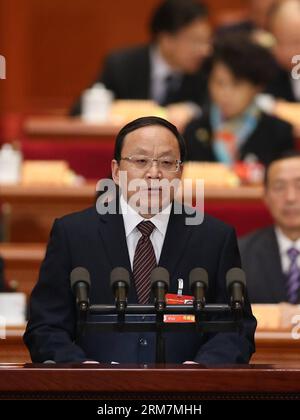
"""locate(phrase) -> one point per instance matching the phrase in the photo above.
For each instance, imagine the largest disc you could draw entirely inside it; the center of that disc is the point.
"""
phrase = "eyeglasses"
(144, 162)
(282, 188)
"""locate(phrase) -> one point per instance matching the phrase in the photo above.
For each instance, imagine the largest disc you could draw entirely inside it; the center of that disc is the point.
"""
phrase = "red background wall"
(54, 48)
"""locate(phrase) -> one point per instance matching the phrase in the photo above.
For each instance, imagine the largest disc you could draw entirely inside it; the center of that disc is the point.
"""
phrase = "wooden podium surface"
(128, 382)
(63, 127)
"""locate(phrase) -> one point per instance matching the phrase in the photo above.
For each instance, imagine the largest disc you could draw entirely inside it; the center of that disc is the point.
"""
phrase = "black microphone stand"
(121, 321)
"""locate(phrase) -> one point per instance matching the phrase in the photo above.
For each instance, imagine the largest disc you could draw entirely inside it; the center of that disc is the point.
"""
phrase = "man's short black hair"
(288, 154)
(173, 15)
(246, 59)
(144, 122)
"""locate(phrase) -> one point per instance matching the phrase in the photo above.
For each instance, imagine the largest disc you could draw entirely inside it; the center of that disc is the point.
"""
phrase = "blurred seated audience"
(233, 128)
(284, 24)
(271, 256)
(169, 69)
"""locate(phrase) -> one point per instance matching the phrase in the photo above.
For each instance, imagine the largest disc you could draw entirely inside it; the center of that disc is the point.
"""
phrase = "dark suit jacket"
(240, 27)
(127, 74)
(262, 264)
(271, 137)
(99, 244)
(280, 86)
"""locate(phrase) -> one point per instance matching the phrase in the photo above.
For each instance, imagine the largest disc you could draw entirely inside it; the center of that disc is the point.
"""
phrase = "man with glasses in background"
(147, 150)
(271, 256)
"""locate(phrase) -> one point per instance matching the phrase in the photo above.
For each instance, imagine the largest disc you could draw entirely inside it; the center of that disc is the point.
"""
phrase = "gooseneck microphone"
(160, 281)
(120, 283)
(80, 284)
(198, 284)
(236, 285)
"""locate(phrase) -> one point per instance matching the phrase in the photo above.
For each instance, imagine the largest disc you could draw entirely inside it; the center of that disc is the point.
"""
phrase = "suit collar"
(284, 243)
(175, 243)
(112, 232)
(272, 263)
(142, 78)
(160, 68)
(131, 218)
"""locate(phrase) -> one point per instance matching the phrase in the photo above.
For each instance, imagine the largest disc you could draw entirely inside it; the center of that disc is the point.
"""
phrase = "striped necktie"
(293, 276)
(144, 262)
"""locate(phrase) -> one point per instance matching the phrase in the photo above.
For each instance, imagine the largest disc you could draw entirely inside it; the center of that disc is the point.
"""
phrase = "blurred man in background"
(271, 256)
(284, 24)
(169, 69)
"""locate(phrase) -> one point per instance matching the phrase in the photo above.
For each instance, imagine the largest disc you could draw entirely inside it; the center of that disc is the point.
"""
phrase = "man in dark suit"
(168, 70)
(284, 22)
(138, 238)
(270, 257)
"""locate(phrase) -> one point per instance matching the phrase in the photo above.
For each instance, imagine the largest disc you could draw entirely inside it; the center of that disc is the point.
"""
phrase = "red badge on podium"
(173, 299)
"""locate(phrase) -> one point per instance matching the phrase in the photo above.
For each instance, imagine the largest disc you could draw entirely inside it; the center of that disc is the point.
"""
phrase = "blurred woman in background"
(232, 127)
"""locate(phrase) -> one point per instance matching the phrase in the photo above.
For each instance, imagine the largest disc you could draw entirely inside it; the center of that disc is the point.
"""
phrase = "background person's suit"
(269, 140)
(261, 261)
(127, 74)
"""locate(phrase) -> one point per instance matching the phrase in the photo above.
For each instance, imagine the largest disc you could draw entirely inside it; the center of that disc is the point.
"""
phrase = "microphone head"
(198, 274)
(119, 274)
(80, 274)
(160, 274)
(235, 275)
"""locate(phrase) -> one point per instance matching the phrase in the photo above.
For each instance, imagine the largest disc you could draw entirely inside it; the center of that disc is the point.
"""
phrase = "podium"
(171, 382)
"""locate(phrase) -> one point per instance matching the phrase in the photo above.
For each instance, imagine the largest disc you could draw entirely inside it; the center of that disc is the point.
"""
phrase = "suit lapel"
(112, 232)
(272, 262)
(142, 79)
(177, 235)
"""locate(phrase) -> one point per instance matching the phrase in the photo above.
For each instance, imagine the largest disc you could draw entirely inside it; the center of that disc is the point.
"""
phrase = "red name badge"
(172, 299)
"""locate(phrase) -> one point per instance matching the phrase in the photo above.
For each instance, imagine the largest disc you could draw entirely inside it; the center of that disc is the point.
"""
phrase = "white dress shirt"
(160, 70)
(296, 88)
(132, 219)
(284, 244)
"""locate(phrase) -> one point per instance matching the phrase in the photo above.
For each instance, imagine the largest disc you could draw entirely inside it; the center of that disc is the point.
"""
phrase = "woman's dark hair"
(144, 122)
(173, 15)
(246, 59)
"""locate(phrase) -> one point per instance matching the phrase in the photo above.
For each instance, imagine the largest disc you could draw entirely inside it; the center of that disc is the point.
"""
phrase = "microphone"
(120, 282)
(80, 284)
(236, 285)
(160, 281)
(198, 284)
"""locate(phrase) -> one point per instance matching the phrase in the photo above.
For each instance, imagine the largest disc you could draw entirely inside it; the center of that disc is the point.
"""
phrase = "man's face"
(287, 33)
(283, 193)
(230, 94)
(156, 142)
(186, 49)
